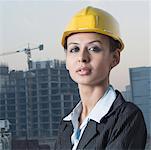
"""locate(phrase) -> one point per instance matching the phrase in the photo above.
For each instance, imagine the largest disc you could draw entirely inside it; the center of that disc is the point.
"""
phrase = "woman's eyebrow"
(72, 43)
(88, 43)
(95, 41)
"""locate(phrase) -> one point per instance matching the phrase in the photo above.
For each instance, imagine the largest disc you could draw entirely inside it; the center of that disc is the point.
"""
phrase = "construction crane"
(27, 52)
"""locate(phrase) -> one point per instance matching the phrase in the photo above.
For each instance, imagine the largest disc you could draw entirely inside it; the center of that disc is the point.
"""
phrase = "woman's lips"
(84, 71)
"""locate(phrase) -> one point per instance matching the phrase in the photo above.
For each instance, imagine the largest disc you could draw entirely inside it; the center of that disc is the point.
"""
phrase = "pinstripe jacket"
(122, 128)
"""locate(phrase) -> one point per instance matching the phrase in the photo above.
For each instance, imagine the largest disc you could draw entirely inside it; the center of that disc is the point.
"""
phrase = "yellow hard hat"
(92, 19)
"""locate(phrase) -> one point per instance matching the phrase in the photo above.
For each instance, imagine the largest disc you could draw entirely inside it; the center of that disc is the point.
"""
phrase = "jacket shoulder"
(126, 106)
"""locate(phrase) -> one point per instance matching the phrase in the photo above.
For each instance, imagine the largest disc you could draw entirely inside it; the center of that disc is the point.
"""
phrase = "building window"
(64, 85)
(43, 78)
(55, 125)
(2, 108)
(11, 114)
(21, 94)
(44, 112)
(35, 119)
(22, 100)
(11, 107)
(38, 65)
(55, 132)
(54, 78)
(45, 126)
(22, 120)
(64, 90)
(54, 85)
(22, 126)
(56, 111)
(43, 85)
(22, 107)
(54, 91)
(43, 92)
(35, 126)
(54, 71)
(67, 97)
(67, 104)
(43, 99)
(54, 98)
(34, 99)
(34, 106)
(44, 106)
(56, 118)
(33, 86)
(2, 115)
(42, 72)
(33, 93)
(22, 113)
(35, 113)
(55, 104)
(63, 72)
(10, 95)
(63, 78)
(35, 132)
(2, 95)
(44, 119)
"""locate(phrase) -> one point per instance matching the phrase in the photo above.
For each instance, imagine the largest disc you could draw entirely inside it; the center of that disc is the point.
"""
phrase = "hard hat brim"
(104, 32)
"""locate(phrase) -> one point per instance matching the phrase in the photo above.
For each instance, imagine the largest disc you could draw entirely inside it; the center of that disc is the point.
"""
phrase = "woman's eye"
(95, 49)
(74, 50)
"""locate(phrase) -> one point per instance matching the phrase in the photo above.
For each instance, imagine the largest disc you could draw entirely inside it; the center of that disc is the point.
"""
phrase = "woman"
(102, 119)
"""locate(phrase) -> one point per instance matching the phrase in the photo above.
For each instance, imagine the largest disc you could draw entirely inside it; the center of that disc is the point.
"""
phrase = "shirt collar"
(77, 110)
(103, 105)
(100, 109)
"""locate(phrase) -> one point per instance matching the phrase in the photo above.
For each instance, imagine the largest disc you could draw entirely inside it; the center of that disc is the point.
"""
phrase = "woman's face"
(88, 58)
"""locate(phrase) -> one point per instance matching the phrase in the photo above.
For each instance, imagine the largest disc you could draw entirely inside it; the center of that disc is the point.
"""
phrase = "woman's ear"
(116, 58)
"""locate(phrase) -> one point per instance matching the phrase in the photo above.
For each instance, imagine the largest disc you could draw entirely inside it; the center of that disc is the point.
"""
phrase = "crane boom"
(27, 51)
(9, 53)
(40, 47)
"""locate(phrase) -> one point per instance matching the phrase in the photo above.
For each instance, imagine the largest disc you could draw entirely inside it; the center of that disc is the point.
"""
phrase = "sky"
(34, 22)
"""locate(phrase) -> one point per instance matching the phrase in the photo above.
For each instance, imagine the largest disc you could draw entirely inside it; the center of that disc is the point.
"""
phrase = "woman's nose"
(84, 57)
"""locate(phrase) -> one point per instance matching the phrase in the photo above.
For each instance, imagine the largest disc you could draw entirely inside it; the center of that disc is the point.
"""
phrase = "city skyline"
(36, 22)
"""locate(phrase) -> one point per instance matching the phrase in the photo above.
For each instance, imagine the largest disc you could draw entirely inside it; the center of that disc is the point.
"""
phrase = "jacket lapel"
(118, 101)
(66, 132)
(88, 134)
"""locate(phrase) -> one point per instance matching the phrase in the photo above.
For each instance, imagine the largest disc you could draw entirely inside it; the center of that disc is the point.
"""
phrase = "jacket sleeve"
(129, 132)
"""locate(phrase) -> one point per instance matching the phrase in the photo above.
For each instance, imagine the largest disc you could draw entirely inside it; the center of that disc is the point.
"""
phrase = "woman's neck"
(89, 97)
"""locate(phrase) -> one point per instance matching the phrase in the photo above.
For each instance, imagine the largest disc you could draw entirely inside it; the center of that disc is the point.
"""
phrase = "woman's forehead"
(87, 37)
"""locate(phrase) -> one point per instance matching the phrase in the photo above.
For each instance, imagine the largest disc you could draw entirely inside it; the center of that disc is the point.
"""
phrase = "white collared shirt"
(97, 113)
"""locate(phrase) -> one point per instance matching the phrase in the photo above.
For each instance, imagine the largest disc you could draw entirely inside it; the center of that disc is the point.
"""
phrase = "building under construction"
(34, 101)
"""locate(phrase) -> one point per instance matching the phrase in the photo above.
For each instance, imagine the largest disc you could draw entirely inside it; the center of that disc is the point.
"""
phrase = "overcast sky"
(43, 21)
